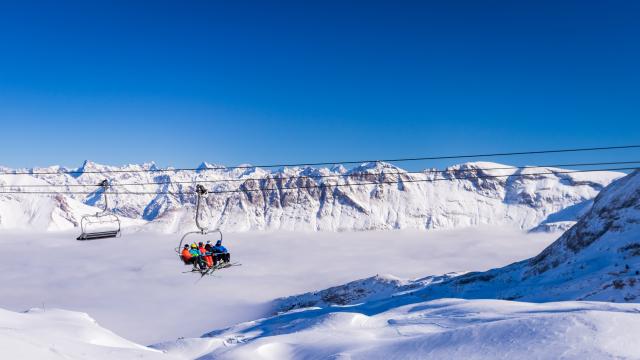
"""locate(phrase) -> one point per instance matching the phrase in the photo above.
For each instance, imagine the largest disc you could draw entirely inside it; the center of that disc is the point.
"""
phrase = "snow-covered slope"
(440, 329)
(41, 212)
(597, 259)
(313, 202)
(59, 334)
(358, 291)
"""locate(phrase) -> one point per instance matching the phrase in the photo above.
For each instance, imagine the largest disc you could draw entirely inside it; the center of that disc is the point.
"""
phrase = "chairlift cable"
(346, 175)
(351, 162)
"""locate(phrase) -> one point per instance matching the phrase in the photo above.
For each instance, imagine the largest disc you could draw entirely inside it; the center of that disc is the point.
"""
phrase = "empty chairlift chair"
(101, 225)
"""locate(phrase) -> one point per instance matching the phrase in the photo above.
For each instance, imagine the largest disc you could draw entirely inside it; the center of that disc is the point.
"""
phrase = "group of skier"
(205, 256)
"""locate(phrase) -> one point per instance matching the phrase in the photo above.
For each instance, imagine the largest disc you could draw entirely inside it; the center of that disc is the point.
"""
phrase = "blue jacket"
(219, 249)
(194, 252)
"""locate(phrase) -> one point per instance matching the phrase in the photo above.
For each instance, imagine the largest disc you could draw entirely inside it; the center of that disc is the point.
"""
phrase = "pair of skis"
(211, 270)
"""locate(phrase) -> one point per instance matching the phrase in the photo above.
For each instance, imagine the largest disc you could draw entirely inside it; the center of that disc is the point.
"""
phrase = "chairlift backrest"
(195, 233)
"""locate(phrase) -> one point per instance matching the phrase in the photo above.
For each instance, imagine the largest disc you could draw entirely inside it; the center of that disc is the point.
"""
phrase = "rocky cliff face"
(330, 199)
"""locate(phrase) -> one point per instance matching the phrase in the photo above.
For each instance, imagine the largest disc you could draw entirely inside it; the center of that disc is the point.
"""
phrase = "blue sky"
(230, 82)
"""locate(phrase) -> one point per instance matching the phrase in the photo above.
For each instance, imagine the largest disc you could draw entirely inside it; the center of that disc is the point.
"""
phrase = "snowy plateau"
(458, 291)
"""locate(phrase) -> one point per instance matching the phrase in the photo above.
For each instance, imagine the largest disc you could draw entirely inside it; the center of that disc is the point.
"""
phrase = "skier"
(186, 255)
(198, 258)
(221, 252)
(208, 255)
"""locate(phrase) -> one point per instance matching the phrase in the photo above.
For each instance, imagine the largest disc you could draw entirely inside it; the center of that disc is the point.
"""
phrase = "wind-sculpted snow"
(440, 329)
(307, 199)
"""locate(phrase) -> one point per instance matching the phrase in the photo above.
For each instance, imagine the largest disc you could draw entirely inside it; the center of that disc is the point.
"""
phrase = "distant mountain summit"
(312, 199)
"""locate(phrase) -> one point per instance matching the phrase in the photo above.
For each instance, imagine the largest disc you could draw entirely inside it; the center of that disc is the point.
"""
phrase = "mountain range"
(303, 198)
(597, 259)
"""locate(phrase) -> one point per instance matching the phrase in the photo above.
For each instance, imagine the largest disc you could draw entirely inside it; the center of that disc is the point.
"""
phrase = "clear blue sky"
(233, 82)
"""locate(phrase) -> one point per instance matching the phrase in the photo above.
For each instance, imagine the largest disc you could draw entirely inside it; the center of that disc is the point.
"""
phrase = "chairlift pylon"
(101, 225)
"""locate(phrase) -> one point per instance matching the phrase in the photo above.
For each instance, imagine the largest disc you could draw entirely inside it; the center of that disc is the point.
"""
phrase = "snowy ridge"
(60, 334)
(45, 212)
(311, 203)
(597, 259)
(358, 291)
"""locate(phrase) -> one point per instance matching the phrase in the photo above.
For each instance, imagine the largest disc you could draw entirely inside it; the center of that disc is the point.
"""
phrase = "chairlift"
(203, 230)
(101, 225)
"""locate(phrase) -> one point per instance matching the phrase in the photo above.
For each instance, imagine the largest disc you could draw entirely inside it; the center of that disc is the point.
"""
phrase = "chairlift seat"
(98, 235)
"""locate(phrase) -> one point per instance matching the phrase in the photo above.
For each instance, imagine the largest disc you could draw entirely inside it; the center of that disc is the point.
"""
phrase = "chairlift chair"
(101, 225)
(202, 229)
(201, 192)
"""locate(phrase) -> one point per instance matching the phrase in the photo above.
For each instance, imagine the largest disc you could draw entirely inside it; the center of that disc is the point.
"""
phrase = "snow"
(133, 285)
(359, 291)
(388, 318)
(442, 329)
(42, 212)
(59, 334)
(382, 329)
(439, 329)
(312, 203)
(597, 259)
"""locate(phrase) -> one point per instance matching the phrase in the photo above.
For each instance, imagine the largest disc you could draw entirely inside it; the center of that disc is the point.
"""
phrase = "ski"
(213, 269)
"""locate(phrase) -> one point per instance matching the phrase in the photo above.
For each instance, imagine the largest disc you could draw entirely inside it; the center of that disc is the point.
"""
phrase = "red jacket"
(186, 255)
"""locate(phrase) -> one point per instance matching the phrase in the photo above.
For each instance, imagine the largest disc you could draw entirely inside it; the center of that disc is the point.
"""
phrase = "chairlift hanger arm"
(202, 193)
